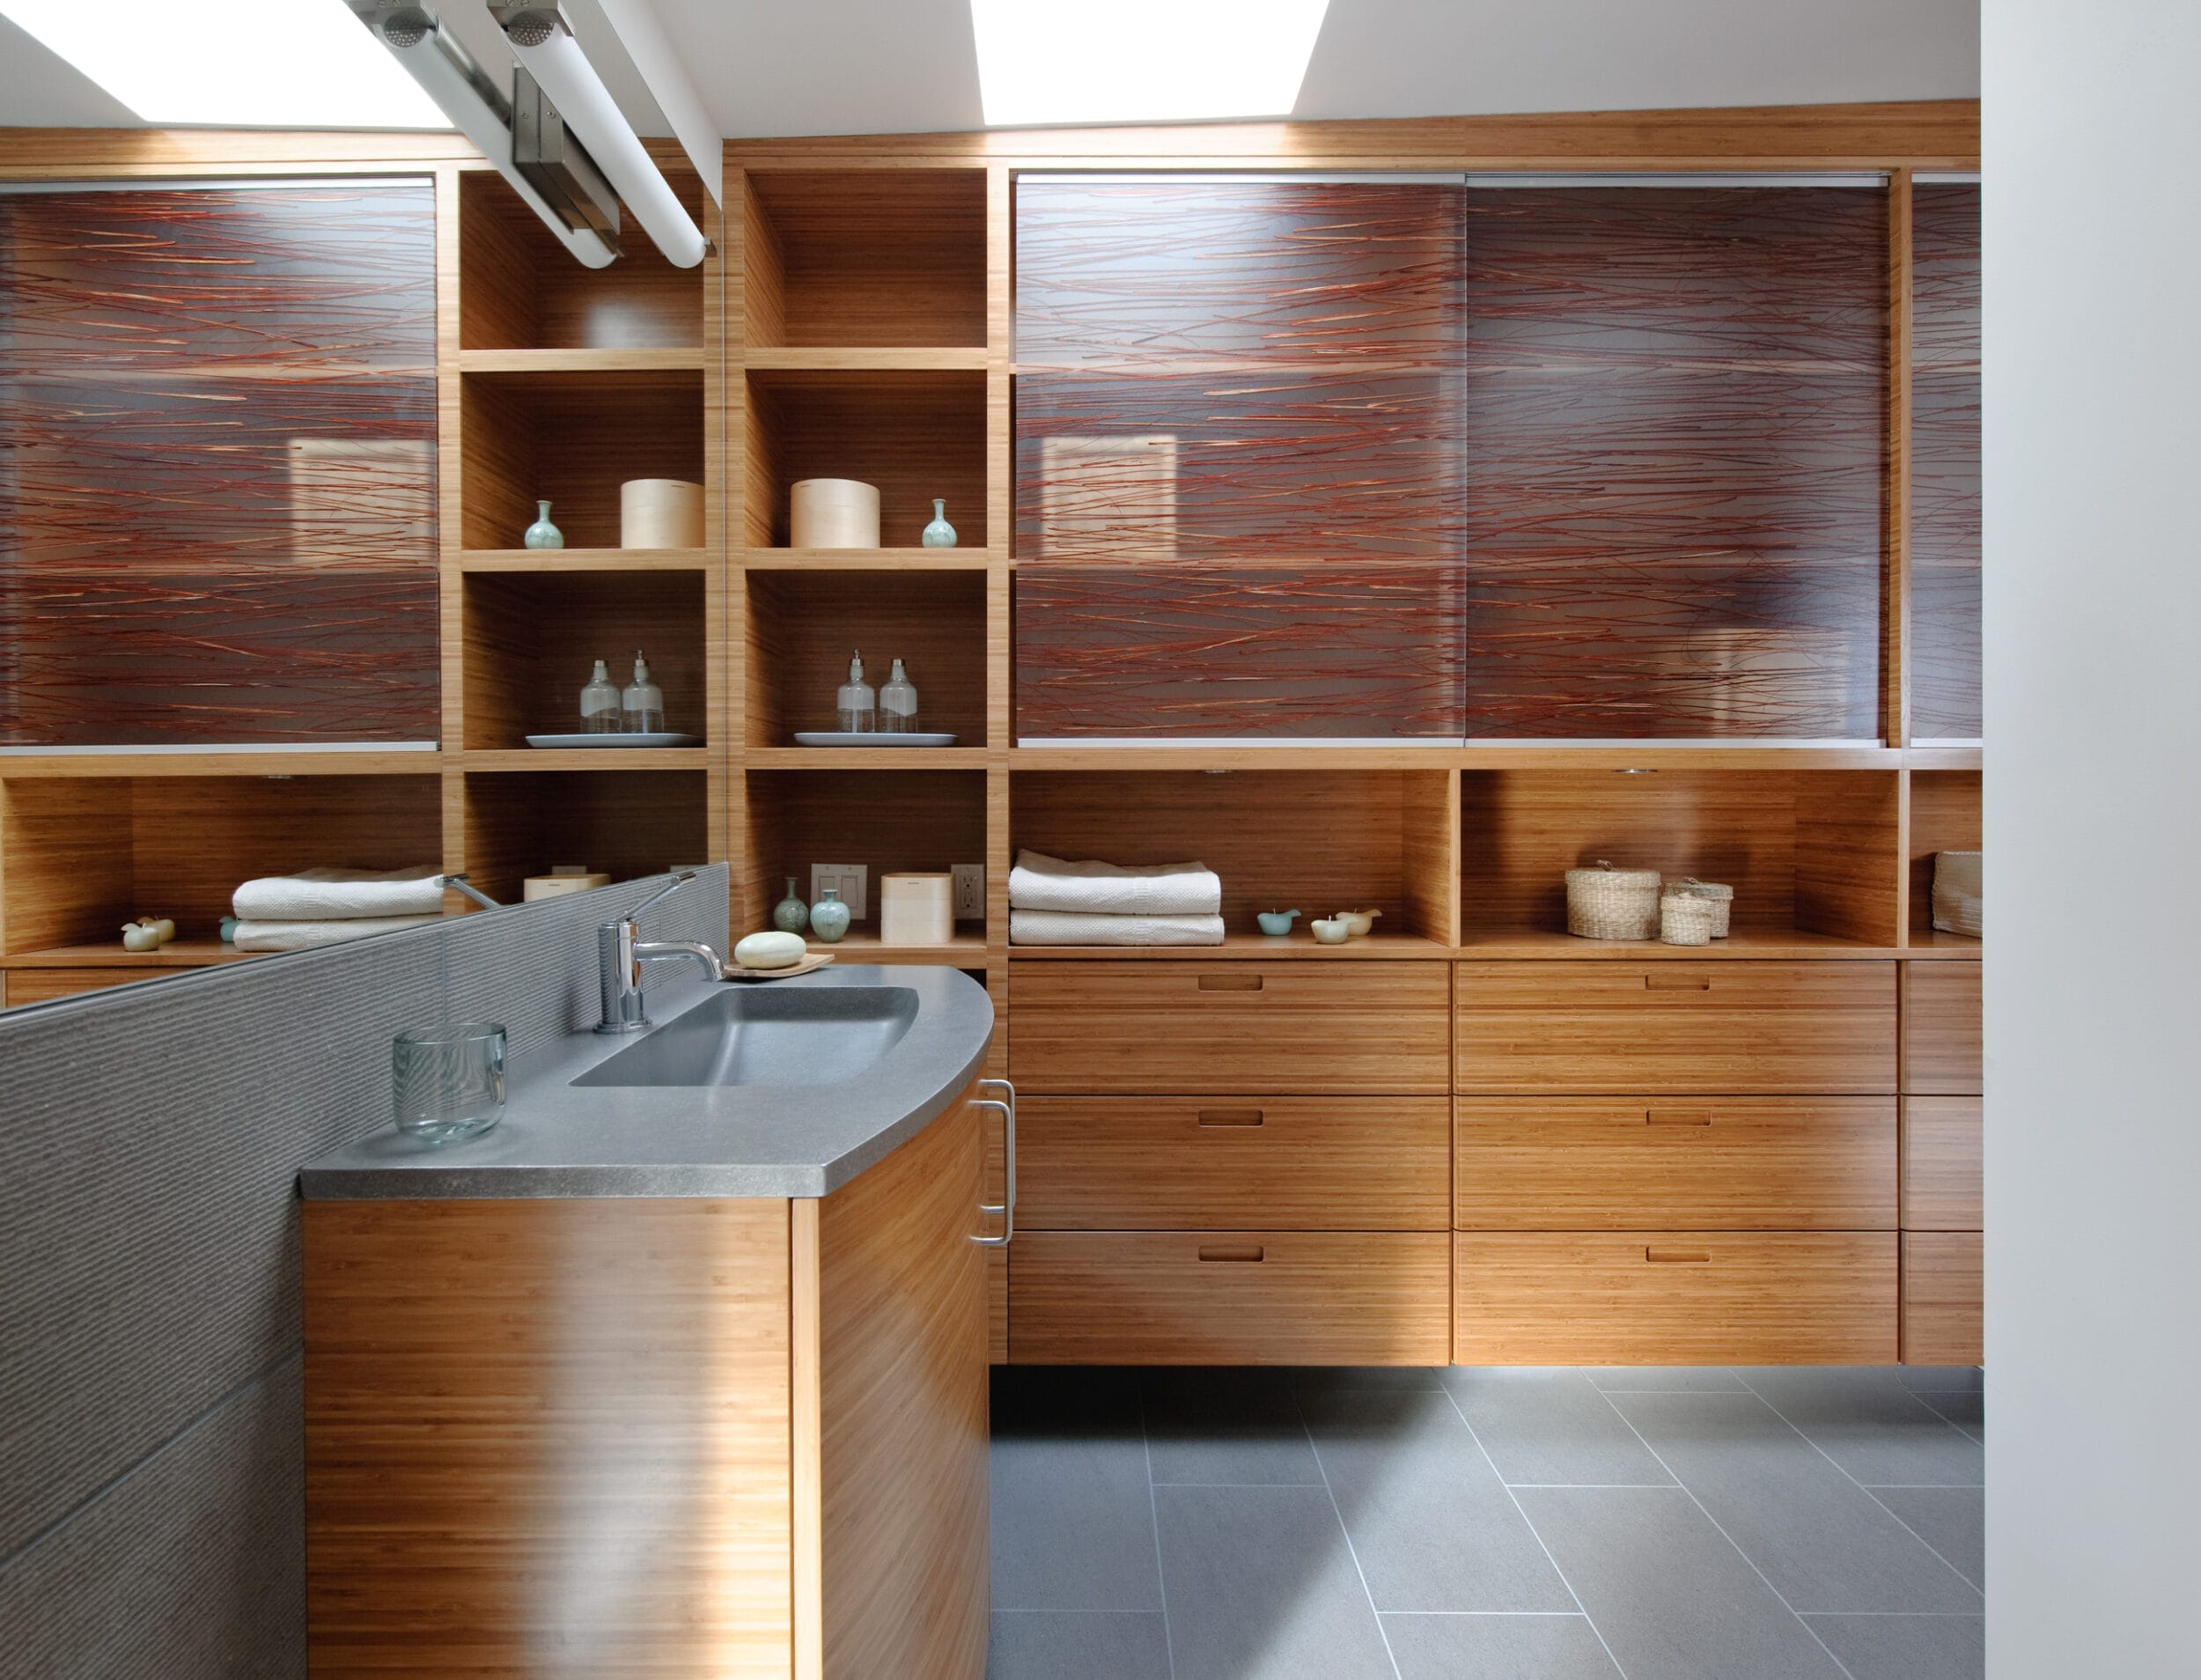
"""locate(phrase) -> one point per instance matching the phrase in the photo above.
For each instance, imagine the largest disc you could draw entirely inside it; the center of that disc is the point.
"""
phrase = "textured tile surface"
(1550, 1427)
(1073, 1525)
(1077, 1645)
(1906, 1647)
(1951, 1520)
(1869, 1422)
(1233, 1427)
(1498, 1647)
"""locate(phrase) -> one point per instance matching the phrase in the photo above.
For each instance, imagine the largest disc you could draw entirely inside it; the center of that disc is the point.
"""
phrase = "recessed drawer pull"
(1230, 983)
(1230, 1117)
(1677, 1117)
(1677, 1256)
(1677, 983)
(1247, 1252)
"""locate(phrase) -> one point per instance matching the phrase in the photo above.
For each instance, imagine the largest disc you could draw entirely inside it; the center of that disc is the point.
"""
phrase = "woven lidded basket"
(1956, 882)
(1718, 894)
(1608, 903)
(1687, 918)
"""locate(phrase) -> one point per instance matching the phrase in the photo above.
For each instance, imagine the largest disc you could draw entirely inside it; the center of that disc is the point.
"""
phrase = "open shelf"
(86, 854)
(1377, 946)
(556, 560)
(572, 437)
(1313, 842)
(966, 950)
(916, 436)
(678, 360)
(1943, 817)
(870, 257)
(627, 822)
(803, 626)
(888, 821)
(530, 642)
(1809, 853)
(520, 289)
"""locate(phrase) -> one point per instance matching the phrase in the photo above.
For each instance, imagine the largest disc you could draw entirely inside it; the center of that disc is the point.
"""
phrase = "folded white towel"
(340, 894)
(302, 936)
(1039, 882)
(1070, 927)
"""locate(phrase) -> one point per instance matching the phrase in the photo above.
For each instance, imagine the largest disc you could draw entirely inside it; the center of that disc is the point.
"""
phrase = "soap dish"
(867, 738)
(642, 738)
(816, 960)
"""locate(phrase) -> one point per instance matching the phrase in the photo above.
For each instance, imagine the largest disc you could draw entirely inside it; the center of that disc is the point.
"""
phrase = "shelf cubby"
(803, 626)
(1945, 806)
(627, 822)
(870, 257)
(917, 436)
(572, 438)
(1809, 853)
(520, 289)
(886, 820)
(530, 641)
(1317, 842)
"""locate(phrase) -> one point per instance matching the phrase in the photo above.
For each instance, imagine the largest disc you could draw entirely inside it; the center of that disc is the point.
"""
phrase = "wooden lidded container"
(833, 514)
(660, 513)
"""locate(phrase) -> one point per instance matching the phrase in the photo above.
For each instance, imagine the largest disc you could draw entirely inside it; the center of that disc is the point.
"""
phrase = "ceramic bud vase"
(791, 914)
(939, 534)
(542, 534)
(830, 916)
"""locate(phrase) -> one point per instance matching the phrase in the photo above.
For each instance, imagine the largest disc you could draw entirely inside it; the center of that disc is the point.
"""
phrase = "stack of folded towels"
(321, 906)
(1055, 902)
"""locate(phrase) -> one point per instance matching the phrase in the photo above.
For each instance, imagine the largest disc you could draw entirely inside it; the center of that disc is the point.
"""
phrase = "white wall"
(2093, 266)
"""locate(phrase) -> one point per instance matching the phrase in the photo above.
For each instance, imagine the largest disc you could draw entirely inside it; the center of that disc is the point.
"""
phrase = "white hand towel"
(1069, 927)
(1039, 882)
(341, 895)
(302, 936)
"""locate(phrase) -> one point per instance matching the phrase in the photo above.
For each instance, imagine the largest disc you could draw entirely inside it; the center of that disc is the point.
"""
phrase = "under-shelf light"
(1053, 62)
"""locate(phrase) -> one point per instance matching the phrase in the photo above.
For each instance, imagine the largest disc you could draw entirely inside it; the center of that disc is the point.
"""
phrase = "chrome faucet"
(620, 951)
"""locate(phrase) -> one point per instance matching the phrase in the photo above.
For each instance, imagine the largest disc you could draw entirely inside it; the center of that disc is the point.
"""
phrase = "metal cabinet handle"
(1007, 1207)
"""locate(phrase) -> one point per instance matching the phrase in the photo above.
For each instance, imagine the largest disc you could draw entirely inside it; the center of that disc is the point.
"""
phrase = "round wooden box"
(833, 514)
(660, 513)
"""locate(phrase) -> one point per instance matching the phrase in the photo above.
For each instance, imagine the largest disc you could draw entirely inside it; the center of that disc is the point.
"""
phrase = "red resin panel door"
(217, 502)
(1945, 502)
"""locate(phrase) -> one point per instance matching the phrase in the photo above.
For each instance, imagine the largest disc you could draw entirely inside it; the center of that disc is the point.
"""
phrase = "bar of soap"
(770, 951)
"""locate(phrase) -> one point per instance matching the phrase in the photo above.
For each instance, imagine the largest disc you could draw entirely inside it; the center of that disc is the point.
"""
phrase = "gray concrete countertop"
(557, 1139)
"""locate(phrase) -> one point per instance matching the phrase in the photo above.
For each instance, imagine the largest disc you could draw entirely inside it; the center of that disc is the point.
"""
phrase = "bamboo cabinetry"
(734, 1437)
(1942, 1138)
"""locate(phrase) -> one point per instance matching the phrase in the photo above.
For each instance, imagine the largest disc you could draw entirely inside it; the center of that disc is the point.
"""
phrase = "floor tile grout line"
(1352, 1551)
(1779, 1595)
(1947, 1615)
(1978, 1586)
(1474, 1436)
(1559, 1616)
(1153, 1515)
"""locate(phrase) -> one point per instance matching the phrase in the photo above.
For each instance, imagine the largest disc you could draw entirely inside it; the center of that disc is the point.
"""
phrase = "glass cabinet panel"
(1944, 501)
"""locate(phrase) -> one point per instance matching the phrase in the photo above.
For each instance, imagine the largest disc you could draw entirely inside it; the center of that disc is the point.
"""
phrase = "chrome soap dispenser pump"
(856, 705)
(642, 705)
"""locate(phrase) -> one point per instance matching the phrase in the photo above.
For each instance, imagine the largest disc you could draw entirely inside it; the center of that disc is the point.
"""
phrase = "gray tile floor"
(1669, 1524)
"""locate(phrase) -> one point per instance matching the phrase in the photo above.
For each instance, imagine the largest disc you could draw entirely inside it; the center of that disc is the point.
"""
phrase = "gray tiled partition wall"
(149, 1435)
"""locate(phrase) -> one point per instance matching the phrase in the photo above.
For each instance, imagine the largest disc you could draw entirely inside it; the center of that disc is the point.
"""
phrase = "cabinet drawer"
(1248, 1298)
(1675, 1298)
(1941, 1164)
(1088, 1029)
(1941, 1029)
(1760, 1027)
(1941, 1297)
(1665, 1163)
(1233, 1163)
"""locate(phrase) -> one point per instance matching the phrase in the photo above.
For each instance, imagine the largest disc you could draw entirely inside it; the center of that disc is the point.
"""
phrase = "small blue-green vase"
(791, 914)
(542, 534)
(830, 916)
(1275, 922)
(939, 534)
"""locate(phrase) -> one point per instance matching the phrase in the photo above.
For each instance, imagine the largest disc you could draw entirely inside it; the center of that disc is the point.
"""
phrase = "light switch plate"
(970, 892)
(848, 880)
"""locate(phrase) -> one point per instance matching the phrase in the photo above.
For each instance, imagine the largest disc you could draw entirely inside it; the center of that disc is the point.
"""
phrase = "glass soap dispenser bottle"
(898, 704)
(856, 705)
(643, 703)
(599, 704)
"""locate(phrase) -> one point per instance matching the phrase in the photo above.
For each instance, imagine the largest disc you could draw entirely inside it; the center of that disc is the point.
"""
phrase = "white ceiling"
(770, 67)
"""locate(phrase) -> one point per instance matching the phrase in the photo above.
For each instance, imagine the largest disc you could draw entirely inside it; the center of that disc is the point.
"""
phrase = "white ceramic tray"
(647, 738)
(837, 738)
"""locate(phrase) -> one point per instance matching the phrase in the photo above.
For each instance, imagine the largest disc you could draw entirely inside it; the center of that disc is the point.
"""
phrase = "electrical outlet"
(970, 892)
(847, 880)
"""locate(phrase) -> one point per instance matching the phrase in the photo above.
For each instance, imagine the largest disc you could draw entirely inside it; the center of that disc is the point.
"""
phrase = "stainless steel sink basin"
(766, 1035)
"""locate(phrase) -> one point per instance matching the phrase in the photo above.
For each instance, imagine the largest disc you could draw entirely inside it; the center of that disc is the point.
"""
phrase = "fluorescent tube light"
(242, 64)
(1141, 61)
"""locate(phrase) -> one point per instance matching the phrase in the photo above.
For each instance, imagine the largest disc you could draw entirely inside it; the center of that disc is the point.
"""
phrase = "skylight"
(243, 63)
(1044, 61)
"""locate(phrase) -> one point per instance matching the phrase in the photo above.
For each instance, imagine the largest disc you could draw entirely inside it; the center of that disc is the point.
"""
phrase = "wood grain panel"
(1239, 1298)
(1943, 1295)
(886, 820)
(1653, 1163)
(1230, 1028)
(803, 626)
(913, 436)
(1848, 872)
(1745, 1027)
(530, 642)
(866, 258)
(41, 985)
(582, 1405)
(901, 1293)
(1944, 816)
(1941, 1163)
(1279, 1163)
(627, 823)
(59, 888)
(1945, 460)
(1675, 1298)
(1941, 1029)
